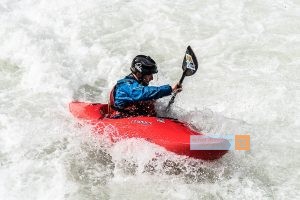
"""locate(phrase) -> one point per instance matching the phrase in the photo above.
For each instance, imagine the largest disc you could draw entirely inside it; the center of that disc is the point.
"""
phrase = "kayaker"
(132, 95)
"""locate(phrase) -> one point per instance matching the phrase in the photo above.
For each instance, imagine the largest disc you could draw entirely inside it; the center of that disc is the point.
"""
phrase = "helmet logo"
(138, 66)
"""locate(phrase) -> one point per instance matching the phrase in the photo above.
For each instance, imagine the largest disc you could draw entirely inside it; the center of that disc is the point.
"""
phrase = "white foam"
(247, 82)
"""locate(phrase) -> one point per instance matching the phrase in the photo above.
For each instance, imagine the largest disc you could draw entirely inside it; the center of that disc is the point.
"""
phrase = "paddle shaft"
(182, 77)
(175, 93)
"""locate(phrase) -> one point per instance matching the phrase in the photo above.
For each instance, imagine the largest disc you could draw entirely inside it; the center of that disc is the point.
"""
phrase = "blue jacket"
(128, 90)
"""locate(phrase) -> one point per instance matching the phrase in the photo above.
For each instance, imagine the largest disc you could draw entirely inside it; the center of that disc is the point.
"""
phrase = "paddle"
(189, 67)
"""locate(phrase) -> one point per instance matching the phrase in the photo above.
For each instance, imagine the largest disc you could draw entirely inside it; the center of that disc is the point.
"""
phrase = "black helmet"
(143, 64)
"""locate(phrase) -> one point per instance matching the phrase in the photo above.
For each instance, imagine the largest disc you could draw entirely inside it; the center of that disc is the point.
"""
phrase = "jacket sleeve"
(129, 93)
(144, 93)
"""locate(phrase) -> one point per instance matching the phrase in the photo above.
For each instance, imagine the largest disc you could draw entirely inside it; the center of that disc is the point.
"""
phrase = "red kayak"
(171, 134)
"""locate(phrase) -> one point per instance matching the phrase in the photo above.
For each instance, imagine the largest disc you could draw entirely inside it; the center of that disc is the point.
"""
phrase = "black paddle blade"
(190, 63)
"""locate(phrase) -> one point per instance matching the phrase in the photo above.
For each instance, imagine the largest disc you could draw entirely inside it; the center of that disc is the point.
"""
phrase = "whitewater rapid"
(53, 52)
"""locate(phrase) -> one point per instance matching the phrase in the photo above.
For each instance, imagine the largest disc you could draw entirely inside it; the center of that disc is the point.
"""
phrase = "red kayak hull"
(171, 134)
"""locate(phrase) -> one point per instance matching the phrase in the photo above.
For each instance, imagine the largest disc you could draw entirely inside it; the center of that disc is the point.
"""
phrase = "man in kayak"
(132, 95)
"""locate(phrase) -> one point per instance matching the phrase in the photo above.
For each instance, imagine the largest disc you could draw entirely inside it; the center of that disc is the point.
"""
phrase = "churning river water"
(248, 82)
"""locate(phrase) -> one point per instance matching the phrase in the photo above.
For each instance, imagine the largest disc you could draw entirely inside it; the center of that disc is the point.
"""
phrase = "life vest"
(144, 108)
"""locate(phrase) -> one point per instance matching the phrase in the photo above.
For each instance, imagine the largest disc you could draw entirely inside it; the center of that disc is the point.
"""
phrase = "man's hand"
(177, 88)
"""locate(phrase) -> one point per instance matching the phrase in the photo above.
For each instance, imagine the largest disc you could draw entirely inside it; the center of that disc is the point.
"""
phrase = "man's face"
(147, 78)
